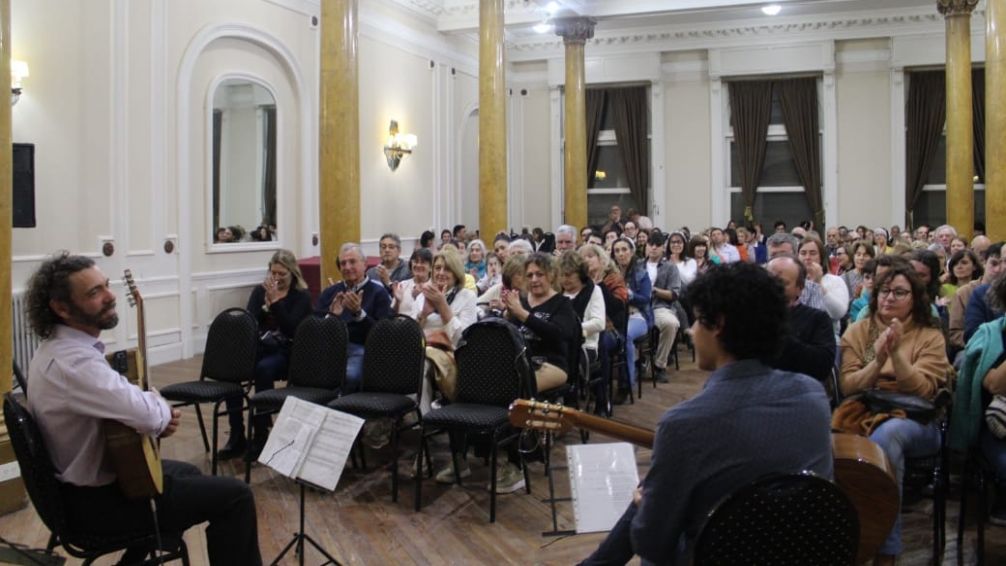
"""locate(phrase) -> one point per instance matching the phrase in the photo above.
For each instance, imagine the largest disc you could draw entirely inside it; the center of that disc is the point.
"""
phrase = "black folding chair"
(783, 520)
(43, 489)
(228, 369)
(393, 362)
(493, 371)
(316, 373)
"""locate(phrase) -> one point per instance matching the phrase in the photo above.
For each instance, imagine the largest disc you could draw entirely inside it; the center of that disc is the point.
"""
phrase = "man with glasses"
(392, 268)
(360, 302)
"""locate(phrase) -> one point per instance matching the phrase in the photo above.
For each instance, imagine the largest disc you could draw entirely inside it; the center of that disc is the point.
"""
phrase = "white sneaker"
(446, 475)
(509, 478)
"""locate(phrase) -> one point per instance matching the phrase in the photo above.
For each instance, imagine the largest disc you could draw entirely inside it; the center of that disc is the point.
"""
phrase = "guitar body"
(134, 457)
(862, 470)
(865, 475)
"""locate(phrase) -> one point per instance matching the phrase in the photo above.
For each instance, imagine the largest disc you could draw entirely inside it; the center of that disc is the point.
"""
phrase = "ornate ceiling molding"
(861, 22)
(956, 7)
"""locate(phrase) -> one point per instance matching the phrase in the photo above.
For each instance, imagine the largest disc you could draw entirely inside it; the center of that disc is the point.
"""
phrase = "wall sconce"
(18, 71)
(398, 145)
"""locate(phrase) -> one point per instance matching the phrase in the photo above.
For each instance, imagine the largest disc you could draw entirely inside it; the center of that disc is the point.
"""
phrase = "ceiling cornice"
(874, 23)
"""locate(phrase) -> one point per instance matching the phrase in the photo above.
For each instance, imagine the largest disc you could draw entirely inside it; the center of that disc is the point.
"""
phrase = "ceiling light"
(543, 27)
(552, 8)
(771, 9)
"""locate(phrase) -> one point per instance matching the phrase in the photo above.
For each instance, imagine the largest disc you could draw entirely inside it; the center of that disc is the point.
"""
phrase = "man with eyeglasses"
(392, 268)
(360, 302)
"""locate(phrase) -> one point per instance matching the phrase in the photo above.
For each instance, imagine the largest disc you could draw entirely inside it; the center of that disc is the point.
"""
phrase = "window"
(610, 182)
(931, 208)
(780, 194)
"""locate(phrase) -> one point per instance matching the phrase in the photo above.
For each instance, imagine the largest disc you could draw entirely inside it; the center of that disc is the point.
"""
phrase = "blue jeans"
(354, 368)
(900, 438)
(637, 328)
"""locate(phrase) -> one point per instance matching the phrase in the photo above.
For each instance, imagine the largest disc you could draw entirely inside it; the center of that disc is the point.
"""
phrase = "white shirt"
(728, 253)
(593, 317)
(406, 304)
(651, 270)
(72, 390)
(464, 314)
(687, 269)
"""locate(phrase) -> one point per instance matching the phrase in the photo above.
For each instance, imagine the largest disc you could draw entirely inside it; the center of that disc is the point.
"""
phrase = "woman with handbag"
(898, 349)
(279, 305)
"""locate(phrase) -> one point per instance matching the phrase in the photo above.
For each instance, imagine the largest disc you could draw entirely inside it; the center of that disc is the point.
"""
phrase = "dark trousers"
(189, 498)
(268, 369)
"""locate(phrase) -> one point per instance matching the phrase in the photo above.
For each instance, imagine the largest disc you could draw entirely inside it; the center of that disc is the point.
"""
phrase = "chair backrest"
(394, 357)
(231, 347)
(37, 470)
(318, 356)
(784, 519)
(492, 364)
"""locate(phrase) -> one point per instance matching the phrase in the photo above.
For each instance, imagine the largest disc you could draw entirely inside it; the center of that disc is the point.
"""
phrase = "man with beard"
(74, 390)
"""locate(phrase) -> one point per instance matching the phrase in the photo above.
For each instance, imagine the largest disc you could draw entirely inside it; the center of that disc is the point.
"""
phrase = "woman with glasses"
(899, 348)
(677, 253)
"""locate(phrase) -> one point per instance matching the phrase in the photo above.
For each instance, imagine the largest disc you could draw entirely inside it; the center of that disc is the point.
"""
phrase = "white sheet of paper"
(291, 436)
(602, 478)
(328, 454)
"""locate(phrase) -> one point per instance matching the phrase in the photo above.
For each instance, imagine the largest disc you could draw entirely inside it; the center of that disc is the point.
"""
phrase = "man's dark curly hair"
(750, 305)
(52, 281)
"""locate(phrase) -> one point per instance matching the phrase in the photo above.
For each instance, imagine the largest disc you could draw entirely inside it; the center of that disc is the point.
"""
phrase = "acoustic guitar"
(134, 456)
(862, 470)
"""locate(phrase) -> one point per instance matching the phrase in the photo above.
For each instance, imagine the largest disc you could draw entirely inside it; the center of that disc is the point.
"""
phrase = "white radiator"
(25, 341)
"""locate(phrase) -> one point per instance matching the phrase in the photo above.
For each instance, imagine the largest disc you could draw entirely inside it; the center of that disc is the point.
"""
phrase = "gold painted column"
(492, 120)
(960, 140)
(11, 491)
(574, 32)
(338, 133)
(995, 119)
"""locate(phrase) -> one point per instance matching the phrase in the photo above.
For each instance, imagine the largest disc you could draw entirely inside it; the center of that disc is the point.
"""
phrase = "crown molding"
(861, 25)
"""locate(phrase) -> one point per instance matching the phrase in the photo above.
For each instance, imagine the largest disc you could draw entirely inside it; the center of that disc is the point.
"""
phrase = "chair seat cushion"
(366, 404)
(274, 398)
(204, 391)
(467, 415)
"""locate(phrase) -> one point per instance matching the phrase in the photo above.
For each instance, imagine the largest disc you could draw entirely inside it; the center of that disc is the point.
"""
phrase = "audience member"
(809, 346)
(392, 268)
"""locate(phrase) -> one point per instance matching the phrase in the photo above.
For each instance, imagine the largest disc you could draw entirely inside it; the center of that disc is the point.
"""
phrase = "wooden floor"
(359, 524)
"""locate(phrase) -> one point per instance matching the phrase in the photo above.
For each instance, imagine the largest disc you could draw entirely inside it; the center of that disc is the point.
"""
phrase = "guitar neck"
(141, 347)
(616, 429)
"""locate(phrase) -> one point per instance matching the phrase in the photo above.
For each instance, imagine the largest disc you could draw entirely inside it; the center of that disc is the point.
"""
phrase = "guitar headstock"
(538, 415)
(134, 293)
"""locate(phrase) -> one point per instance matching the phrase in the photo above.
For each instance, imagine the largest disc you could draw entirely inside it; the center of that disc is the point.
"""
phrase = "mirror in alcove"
(243, 157)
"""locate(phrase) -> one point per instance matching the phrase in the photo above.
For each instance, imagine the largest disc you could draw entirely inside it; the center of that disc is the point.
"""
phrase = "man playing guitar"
(73, 390)
(747, 422)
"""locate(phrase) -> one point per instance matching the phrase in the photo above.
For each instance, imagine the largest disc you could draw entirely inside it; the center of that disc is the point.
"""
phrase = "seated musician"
(748, 421)
(360, 302)
(900, 349)
(73, 389)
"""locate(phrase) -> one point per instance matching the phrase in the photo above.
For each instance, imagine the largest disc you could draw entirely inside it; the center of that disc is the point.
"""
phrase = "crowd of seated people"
(880, 308)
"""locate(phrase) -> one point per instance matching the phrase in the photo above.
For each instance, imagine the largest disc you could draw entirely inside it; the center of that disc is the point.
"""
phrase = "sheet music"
(291, 436)
(327, 458)
(602, 478)
(310, 442)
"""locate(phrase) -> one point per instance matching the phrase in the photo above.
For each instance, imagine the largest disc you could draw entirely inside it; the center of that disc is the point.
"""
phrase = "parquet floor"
(359, 524)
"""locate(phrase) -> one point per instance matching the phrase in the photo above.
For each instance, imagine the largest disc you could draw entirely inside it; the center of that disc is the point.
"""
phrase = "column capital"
(956, 7)
(575, 30)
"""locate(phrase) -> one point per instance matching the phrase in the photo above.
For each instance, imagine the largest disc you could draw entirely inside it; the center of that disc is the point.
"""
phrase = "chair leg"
(216, 427)
(492, 479)
(394, 460)
(202, 428)
(419, 465)
(248, 442)
(963, 510)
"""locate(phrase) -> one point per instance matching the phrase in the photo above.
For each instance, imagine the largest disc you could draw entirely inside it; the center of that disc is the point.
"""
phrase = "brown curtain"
(925, 114)
(750, 112)
(630, 114)
(798, 100)
(978, 103)
(269, 173)
(595, 114)
(218, 117)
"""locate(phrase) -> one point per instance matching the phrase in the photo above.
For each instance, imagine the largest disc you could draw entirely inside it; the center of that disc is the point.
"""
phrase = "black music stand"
(301, 536)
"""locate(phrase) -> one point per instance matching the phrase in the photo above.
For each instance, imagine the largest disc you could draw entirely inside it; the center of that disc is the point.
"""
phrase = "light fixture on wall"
(18, 71)
(771, 9)
(398, 145)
